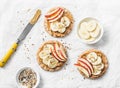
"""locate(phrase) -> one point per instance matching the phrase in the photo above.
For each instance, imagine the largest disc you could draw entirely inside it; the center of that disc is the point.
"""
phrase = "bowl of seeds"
(27, 77)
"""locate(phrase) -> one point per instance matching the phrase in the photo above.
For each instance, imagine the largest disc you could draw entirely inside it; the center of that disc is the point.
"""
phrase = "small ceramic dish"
(86, 20)
(20, 85)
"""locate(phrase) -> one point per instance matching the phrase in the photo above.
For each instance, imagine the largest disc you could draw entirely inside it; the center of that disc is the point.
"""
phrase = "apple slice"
(59, 52)
(83, 69)
(83, 64)
(62, 52)
(57, 17)
(87, 63)
(55, 55)
(52, 13)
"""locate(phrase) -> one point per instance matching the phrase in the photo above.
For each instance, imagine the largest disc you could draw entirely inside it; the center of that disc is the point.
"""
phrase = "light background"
(15, 14)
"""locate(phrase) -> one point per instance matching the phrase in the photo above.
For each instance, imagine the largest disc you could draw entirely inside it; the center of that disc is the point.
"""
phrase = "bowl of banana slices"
(90, 30)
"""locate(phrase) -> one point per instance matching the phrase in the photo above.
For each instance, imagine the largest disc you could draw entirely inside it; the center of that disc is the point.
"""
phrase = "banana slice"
(66, 21)
(54, 26)
(83, 26)
(91, 60)
(48, 47)
(91, 25)
(99, 67)
(46, 60)
(52, 63)
(84, 34)
(46, 51)
(96, 32)
(61, 28)
(92, 57)
(98, 61)
(96, 72)
(90, 39)
(43, 54)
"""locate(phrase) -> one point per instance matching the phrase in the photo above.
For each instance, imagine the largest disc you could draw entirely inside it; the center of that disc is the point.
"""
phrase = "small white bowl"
(19, 85)
(100, 35)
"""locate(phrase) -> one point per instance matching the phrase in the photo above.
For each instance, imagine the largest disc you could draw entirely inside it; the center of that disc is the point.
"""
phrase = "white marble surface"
(15, 14)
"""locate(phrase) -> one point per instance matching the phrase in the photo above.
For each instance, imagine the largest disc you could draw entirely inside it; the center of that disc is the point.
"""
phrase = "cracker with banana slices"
(58, 22)
(53, 58)
(104, 61)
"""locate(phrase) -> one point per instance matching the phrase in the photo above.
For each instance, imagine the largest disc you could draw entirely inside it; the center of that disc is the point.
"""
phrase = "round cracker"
(44, 66)
(104, 60)
(66, 13)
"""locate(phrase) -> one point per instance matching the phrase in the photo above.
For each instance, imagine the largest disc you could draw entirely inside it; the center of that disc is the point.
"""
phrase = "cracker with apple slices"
(104, 61)
(61, 56)
(66, 13)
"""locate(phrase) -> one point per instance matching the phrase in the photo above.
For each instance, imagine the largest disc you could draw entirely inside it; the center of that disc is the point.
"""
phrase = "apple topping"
(55, 14)
(85, 66)
(83, 69)
(52, 13)
(58, 52)
(87, 63)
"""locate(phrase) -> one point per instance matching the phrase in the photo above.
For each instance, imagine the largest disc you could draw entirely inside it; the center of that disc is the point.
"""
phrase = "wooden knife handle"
(36, 17)
(8, 54)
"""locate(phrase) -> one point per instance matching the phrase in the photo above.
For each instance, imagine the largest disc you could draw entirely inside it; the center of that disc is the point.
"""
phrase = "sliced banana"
(96, 32)
(98, 61)
(61, 28)
(91, 25)
(83, 26)
(96, 72)
(91, 60)
(52, 63)
(84, 34)
(46, 60)
(54, 26)
(99, 67)
(92, 57)
(43, 54)
(66, 21)
(48, 47)
(46, 51)
(90, 39)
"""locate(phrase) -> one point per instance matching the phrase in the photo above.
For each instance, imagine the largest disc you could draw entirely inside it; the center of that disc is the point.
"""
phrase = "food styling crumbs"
(44, 37)
(67, 46)
(28, 78)
(27, 51)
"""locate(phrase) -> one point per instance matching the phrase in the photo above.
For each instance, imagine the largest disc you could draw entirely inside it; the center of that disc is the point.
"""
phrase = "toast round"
(40, 61)
(66, 13)
(104, 60)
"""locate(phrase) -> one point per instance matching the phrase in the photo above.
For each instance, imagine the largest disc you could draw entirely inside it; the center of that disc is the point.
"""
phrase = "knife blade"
(22, 36)
(25, 32)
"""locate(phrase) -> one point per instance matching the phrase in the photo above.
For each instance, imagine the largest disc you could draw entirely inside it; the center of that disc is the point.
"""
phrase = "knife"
(22, 36)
